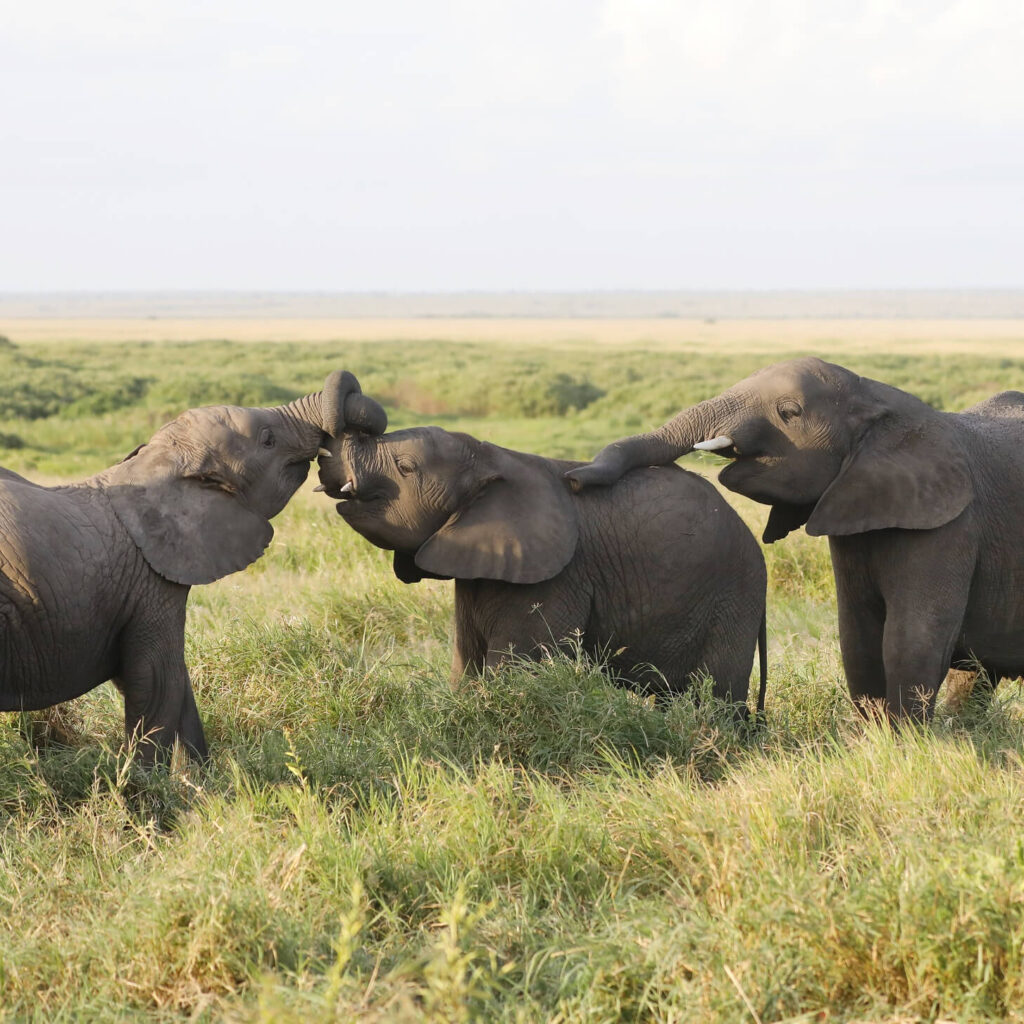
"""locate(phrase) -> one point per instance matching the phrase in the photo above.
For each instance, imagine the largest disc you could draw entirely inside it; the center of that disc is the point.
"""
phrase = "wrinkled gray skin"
(922, 510)
(94, 576)
(660, 566)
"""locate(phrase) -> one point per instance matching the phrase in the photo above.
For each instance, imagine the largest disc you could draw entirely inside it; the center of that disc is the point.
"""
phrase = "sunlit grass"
(369, 843)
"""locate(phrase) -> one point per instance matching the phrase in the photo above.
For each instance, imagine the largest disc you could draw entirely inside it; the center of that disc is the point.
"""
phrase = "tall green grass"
(370, 844)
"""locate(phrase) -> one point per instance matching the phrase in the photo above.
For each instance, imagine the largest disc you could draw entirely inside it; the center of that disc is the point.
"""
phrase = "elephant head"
(450, 506)
(198, 496)
(840, 453)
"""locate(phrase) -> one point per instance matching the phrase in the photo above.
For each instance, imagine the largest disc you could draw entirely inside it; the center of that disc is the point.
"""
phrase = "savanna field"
(539, 845)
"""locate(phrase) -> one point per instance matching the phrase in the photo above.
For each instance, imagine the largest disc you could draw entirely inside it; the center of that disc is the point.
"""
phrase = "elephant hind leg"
(729, 650)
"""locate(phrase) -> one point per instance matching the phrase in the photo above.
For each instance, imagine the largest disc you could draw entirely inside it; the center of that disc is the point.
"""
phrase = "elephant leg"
(861, 628)
(493, 617)
(190, 727)
(917, 647)
(469, 649)
(468, 656)
(728, 658)
(159, 708)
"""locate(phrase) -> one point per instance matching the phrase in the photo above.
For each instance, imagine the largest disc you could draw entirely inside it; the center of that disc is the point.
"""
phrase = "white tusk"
(714, 444)
(324, 453)
(348, 487)
(319, 487)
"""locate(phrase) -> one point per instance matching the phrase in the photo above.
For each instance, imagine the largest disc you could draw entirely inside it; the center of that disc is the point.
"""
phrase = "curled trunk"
(340, 406)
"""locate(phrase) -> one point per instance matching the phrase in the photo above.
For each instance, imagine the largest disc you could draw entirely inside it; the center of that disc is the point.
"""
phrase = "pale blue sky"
(473, 145)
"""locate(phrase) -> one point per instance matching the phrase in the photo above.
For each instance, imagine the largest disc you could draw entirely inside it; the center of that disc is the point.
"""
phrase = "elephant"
(922, 510)
(94, 576)
(660, 574)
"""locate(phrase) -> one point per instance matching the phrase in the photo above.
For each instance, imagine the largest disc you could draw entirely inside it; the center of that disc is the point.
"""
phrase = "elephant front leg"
(926, 594)
(917, 647)
(159, 708)
(902, 597)
(861, 629)
(468, 657)
(469, 649)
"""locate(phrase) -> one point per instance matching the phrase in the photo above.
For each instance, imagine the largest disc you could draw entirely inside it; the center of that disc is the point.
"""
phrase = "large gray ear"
(190, 527)
(519, 526)
(908, 472)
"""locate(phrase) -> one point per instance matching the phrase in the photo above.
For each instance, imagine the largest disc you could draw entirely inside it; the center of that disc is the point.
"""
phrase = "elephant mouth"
(729, 452)
(722, 445)
(352, 501)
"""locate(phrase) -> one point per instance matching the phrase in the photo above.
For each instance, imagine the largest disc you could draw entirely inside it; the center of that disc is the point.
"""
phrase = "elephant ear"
(190, 526)
(784, 519)
(908, 472)
(519, 525)
(406, 569)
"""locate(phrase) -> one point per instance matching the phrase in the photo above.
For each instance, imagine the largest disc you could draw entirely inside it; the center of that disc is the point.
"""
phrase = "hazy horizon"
(512, 303)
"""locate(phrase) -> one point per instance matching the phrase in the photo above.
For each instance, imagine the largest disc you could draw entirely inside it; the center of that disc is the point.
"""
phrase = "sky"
(565, 144)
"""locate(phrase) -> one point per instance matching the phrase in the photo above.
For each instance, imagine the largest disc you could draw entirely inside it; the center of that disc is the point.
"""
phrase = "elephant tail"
(762, 661)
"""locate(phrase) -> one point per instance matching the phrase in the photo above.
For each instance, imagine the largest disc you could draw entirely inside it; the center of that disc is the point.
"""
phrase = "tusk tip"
(319, 487)
(324, 453)
(714, 444)
(346, 488)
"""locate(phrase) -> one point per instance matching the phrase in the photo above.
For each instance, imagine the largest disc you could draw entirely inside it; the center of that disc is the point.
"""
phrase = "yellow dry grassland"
(909, 337)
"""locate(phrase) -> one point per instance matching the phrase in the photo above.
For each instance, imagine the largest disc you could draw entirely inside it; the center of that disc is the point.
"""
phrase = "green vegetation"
(369, 844)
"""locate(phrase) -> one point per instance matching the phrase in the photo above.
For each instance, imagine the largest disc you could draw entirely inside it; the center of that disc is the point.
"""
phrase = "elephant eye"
(405, 465)
(267, 438)
(789, 410)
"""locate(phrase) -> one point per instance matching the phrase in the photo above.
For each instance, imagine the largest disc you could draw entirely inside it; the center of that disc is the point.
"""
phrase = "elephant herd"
(640, 560)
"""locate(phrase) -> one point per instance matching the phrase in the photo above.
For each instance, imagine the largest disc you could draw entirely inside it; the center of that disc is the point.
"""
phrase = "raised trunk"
(338, 407)
(659, 447)
(346, 408)
(305, 417)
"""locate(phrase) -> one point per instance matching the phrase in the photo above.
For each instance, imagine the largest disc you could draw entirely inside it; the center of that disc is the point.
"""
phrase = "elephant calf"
(94, 576)
(659, 570)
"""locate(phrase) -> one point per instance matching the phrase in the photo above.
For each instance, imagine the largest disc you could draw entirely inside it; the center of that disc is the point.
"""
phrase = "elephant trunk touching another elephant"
(691, 429)
(339, 406)
(922, 510)
(94, 576)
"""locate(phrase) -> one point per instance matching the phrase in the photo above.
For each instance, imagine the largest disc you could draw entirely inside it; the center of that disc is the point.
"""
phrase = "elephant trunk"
(700, 423)
(340, 406)
(345, 407)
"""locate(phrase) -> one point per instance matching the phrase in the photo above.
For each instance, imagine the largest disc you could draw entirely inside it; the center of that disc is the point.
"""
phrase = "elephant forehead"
(811, 377)
(212, 430)
(428, 441)
(218, 424)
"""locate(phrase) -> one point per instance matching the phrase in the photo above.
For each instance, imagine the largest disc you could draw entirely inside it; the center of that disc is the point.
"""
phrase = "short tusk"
(348, 487)
(714, 444)
(324, 453)
(319, 487)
